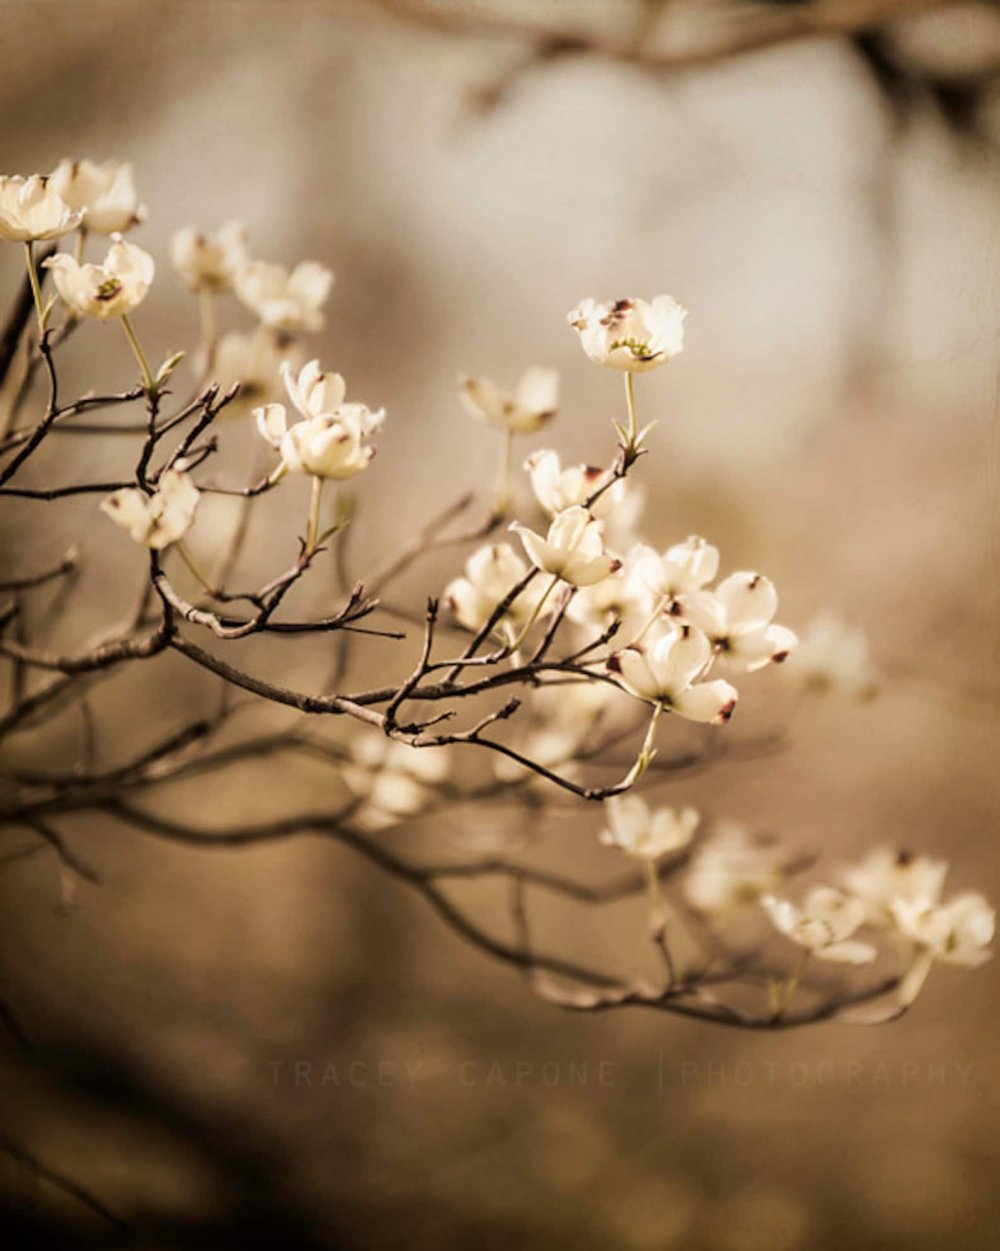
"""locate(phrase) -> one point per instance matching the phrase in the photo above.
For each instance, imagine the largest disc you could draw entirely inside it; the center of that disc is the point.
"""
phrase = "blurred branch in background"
(919, 52)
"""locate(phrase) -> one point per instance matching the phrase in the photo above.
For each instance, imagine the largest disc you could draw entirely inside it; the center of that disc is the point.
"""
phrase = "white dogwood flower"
(619, 597)
(737, 618)
(557, 489)
(209, 261)
(647, 833)
(325, 447)
(254, 361)
(112, 289)
(533, 402)
(282, 300)
(393, 779)
(885, 877)
(316, 394)
(731, 871)
(833, 655)
(573, 549)
(682, 569)
(823, 925)
(958, 932)
(105, 193)
(32, 209)
(490, 574)
(159, 519)
(633, 335)
(667, 672)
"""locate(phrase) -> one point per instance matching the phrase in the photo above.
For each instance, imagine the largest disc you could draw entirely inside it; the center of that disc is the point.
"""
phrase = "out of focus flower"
(32, 209)
(105, 193)
(957, 932)
(667, 671)
(644, 833)
(392, 779)
(833, 655)
(556, 488)
(682, 569)
(731, 871)
(885, 877)
(112, 289)
(631, 334)
(490, 574)
(254, 361)
(533, 402)
(572, 550)
(209, 262)
(618, 597)
(159, 519)
(823, 925)
(737, 618)
(282, 300)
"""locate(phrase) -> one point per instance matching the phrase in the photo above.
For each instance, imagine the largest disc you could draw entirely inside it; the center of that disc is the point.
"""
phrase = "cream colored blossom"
(731, 871)
(209, 262)
(823, 925)
(669, 670)
(159, 519)
(958, 932)
(112, 289)
(254, 361)
(833, 655)
(680, 570)
(629, 334)
(533, 402)
(282, 300)
(647, 833)
(32, 209)
(885, 877)
(619, 597)
(491, 572)
(573, 549)
(557, 489)
(105, 193)
(392, 779)
(737, 618)
(317, 394)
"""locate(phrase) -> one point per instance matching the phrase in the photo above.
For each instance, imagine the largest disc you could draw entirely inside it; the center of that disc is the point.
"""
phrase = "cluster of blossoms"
(651, 629)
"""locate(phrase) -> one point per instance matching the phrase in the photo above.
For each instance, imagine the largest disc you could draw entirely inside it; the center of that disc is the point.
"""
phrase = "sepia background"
(825, 205)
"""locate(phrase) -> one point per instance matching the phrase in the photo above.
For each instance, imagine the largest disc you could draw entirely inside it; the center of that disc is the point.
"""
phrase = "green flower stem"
(513, 646)
(136, 346)
(194, 568)
(647, 751)
(633, 426)
(792, 985)
(315, 504)
(36, 290)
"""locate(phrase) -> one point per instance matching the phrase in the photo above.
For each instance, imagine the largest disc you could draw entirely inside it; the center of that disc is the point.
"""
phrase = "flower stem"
(136, 346)
(36, 290)
(633, 427)
(81, 243)
(792, 985)
(512, 647)
(194, 568)
(312, 533)
(502, 506)
(647, 751)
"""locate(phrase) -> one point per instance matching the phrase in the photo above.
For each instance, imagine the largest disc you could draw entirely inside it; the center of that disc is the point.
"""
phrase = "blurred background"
(818, 184)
